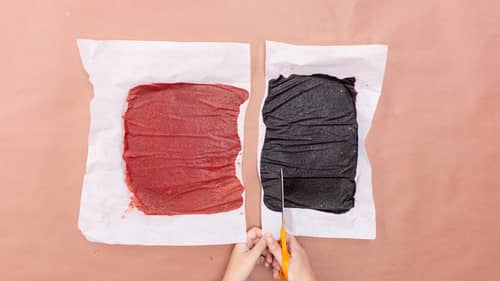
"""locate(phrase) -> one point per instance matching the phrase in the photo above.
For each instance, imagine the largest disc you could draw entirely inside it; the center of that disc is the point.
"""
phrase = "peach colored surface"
(433, 145)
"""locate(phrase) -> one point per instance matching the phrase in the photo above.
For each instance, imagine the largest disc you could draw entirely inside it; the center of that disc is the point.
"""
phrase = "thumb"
(257, 249)
(293, 244)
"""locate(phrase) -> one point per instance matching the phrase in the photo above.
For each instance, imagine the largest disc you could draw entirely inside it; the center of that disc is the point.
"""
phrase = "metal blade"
(282, 200)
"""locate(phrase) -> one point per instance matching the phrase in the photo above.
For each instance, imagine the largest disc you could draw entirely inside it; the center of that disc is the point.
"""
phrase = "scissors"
(285, 255)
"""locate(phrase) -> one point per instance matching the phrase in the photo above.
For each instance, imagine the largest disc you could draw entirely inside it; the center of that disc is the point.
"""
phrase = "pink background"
(433, 145)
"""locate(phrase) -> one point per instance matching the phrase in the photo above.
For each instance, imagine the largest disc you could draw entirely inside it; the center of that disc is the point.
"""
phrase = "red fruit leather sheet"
(181, 142)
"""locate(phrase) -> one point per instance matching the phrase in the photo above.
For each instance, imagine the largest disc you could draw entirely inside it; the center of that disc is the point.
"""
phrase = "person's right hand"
(299, 268)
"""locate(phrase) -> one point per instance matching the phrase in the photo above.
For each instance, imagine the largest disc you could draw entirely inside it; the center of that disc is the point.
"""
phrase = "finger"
(293, 244)
(253, 235)
(257, 250)
(240, 248)
(276, 265)
(269, 258)
(276, 274)
(273, 247)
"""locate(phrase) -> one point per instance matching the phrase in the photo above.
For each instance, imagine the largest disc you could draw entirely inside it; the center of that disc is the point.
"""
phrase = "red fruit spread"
(180, 146)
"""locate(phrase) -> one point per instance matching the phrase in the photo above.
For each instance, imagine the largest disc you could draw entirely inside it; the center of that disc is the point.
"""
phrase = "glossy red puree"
(181, 143)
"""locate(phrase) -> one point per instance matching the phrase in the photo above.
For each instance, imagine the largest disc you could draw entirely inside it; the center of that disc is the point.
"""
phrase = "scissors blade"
(282, 200)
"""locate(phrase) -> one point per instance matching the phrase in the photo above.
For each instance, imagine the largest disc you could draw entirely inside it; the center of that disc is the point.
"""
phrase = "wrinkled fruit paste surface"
(180, 146)
(311, 132)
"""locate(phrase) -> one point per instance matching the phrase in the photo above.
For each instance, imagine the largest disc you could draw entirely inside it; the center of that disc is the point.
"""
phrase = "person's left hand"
(245, 256)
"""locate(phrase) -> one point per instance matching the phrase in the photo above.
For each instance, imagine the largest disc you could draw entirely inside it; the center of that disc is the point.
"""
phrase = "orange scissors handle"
(285, 255)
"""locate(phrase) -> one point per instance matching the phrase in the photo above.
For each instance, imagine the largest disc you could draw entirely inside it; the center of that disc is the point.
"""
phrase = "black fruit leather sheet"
(312, 133)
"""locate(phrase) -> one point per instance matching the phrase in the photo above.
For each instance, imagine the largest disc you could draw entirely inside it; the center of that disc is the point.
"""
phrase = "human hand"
(245, 256)
(299, 267)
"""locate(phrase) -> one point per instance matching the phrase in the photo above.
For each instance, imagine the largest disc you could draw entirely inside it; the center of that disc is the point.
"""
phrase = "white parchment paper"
(367, 64)
(114, 67)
